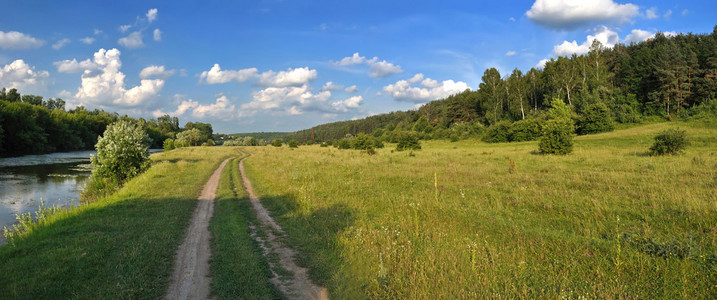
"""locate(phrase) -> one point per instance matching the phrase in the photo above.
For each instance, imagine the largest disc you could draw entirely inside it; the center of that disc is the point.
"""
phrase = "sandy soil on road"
(191, 266)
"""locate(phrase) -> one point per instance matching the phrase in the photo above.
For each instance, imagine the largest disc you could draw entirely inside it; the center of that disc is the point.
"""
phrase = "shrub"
(498, 132)
(407, 141)
(526, 130)
(122, 153)
(558, 130)
(595, 118)
(671, 141)
(277, 143)
(168, 145)
(190, 137)
(293, 144)
(209, 142)
(343, 144)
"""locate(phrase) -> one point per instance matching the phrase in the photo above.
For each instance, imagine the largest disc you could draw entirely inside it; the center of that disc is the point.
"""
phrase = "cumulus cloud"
(87, 40)
(97, 31)
(124, 28)
(291, 100)
(638, 35)
(290, 77)
(571, 14)
(668, 14)
(72, 66)
(216, 75)
(14, 40)
(351, 89)
(604, 35)
(104, 83)
(378, 68)
(132, 41)
(184, 106)
(651, 13)
(430, 89)
(510, 53)
(156, 72)
(222, 108)
(20, 75)
(61, 43)
(330, 86)
(541, 63)
(157, 34)
(151, 15)
(345, 105)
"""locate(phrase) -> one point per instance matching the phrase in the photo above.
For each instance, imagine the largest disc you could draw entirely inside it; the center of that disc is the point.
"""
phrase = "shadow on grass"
(123, 249)
(314, 233)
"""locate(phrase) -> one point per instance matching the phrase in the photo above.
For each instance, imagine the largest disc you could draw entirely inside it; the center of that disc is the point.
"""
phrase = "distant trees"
(191, 137)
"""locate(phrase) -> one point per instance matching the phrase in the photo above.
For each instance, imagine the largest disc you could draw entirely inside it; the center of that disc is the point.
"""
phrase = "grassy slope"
(607, 221)
(238, 269)
(119, 247)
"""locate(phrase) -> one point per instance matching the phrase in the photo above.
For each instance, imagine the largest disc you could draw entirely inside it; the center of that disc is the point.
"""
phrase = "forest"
(665, 77)
(31, 125)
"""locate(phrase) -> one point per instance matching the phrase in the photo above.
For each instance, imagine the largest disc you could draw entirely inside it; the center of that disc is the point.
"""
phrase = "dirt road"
(297, 285)
(191, 265)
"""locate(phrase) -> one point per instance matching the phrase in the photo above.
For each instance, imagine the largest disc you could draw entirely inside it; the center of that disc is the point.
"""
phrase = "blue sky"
(275, 65)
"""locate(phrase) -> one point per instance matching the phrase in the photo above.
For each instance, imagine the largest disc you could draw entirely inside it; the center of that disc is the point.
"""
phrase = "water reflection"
(57, 179)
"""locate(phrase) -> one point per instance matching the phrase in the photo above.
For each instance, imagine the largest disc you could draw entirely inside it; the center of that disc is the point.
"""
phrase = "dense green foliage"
(31, 125)
(277, 143)
(669, 142)
(408, 141)
(293, 144)
(558, 130)
(664, 77)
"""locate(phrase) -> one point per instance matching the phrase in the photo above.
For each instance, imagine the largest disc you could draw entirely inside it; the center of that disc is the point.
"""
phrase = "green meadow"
(459, 220)
(454, 220)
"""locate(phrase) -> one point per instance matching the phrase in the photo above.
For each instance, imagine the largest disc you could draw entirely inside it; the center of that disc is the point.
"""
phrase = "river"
(57, 179)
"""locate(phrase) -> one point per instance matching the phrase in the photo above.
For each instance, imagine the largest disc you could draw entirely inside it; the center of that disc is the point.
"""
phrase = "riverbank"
(122, 245)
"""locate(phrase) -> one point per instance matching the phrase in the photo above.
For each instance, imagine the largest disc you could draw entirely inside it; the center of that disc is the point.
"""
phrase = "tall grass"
(121, 246)
(476, 220)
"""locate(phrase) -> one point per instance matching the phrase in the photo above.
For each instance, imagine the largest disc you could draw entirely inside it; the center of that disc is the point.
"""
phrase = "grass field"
(120, 247)
(455, 220)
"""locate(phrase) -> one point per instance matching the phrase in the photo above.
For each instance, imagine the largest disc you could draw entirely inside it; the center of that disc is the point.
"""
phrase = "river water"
(56, 179)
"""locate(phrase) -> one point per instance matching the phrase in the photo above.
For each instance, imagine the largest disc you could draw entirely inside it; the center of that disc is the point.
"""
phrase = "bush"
(671, 141)
(526, 130)
(191, 137)
(343, 144)
(498, 132)
(595, 118)
(122, 153)
(558, 130)
(277, 143)
(168, 145)
(407, 141)
(293, 144)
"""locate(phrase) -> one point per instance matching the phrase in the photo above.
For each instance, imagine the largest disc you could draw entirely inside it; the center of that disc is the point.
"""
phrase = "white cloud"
(155, 71)
(685, 12)
(16, 41)
(61, 43)
(511, 19)
(124, 28)
(510, 53)
(72, 66)
(571, 14)
(430, 90)
(378, 68)
(351, 89)
(638, 35)
(20, 75)
(607, 38)
(670, 33)
(151, 15)
(651, 13)
(184, 106)
(87, 40)
(97, 31)
(383, 69)
(157, 34)
(215, 75)
(132, 41)
(290, 77)
(345, 105)
(222, 108)
(104, 85)
(330, 86)
(541, 63)
(288, 100)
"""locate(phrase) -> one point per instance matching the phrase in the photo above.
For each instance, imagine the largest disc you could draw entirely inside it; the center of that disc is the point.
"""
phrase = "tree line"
(29, 124)
(662, 77)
